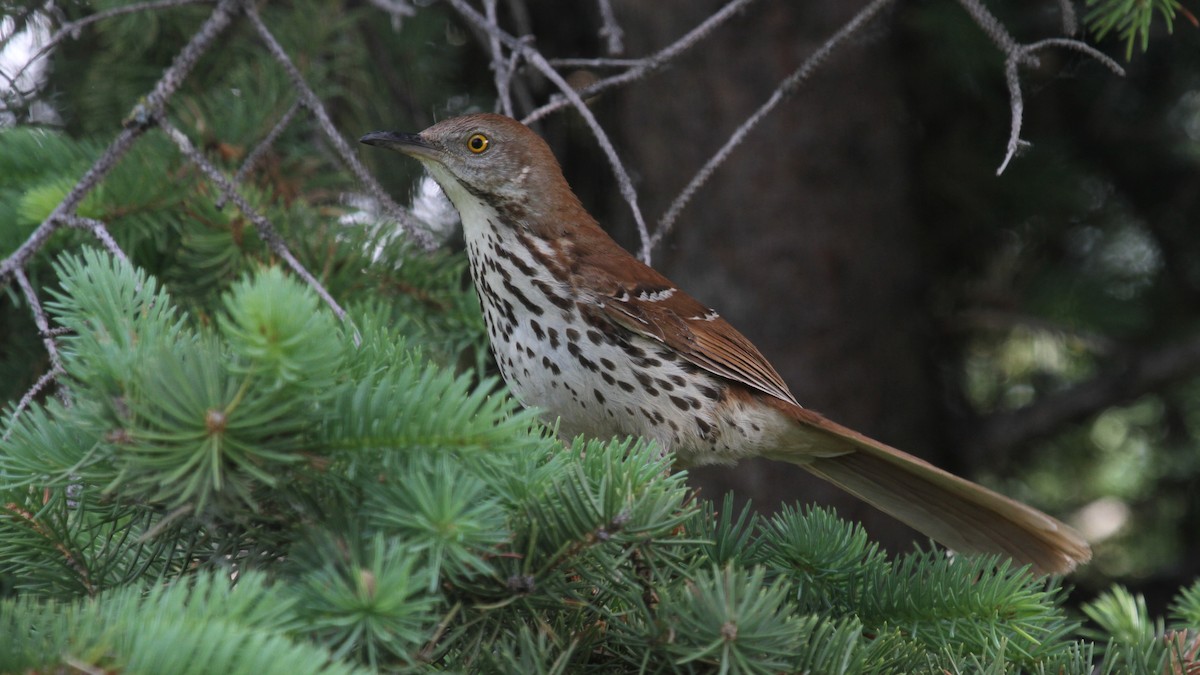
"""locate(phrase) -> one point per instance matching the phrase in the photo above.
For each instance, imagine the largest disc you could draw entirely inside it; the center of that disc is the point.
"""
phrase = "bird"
(606, 346)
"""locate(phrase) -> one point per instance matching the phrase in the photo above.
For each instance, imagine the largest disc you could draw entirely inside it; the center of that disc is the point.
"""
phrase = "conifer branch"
(150, 108)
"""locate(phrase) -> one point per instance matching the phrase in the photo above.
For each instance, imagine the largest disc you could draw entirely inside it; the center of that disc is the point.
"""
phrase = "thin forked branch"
(1017, 55)
(639, 68)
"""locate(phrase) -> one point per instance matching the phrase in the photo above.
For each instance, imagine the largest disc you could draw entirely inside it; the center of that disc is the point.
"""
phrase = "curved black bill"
(397, 140)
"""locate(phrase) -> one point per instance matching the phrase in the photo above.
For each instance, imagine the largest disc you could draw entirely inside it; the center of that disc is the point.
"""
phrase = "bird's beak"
(409, 144)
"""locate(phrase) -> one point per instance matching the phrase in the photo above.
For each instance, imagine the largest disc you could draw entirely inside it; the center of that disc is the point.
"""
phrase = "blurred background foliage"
(1069, 274)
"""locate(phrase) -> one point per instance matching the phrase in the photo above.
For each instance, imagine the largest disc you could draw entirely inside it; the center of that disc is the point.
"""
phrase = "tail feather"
(959, 514)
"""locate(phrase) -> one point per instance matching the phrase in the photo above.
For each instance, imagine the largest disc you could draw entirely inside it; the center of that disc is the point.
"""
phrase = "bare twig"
(311, 101)
(535, 59)
(502, 68)
(27, 399)
(99, 231)
(1070, 21)
(1067, 43)
(1016, 105)
(1017, 55)
(595, 63)
(262, 148)
(43, 326)
(610, 30)
(990, 25)
(785, 89)
(266, 230)
(648, 64)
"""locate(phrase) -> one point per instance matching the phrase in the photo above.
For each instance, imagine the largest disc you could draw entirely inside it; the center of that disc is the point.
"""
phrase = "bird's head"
(485, 158)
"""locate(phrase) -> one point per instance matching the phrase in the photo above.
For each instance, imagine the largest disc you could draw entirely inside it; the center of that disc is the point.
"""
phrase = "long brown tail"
(961, 515)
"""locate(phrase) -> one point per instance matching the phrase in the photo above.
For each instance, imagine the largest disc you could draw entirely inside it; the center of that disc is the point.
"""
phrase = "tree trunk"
(804, 238)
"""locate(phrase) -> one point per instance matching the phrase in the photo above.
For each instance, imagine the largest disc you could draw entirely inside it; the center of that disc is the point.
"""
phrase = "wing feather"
(645, 302)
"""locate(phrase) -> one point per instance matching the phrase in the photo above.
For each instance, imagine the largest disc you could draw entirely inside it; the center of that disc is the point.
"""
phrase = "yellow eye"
(477, 143)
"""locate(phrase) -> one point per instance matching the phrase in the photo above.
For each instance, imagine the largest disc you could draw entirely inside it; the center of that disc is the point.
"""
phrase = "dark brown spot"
(555, 299)
(625, 385)
(553, 337)
(679, 402)
(517, 262)
(516, 293)
(572, 335)
(608, 379)
(595, 336)
(633, 351)
(598, 395)
(607, 363)
(645, 380)
(537, 329)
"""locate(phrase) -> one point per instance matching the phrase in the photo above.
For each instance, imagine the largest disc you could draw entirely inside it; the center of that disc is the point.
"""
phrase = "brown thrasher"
(587, 333)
